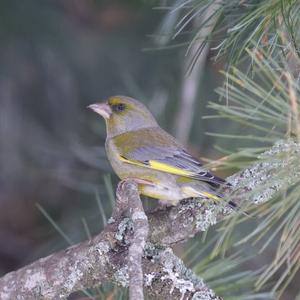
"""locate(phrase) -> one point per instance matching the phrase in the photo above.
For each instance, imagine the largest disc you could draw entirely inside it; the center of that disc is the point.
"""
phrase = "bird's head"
(123, 114)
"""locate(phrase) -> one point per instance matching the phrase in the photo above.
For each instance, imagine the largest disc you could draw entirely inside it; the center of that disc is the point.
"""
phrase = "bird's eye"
(118, 107)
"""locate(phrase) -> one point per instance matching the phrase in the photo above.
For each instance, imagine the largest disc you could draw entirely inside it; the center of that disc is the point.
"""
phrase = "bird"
(139, 149)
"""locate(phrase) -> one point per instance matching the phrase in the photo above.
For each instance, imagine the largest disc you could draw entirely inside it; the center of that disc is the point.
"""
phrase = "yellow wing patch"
(133, 162)
(211, 196)
(168, 169)
(155, 165)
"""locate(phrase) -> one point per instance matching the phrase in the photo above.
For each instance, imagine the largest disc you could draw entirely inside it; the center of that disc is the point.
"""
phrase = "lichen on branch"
(104, 257)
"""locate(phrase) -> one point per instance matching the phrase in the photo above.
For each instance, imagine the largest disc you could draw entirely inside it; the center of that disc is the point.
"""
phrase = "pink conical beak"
(103, 109)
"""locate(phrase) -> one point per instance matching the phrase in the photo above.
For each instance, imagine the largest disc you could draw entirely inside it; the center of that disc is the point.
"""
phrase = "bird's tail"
(210, 192)
(218, 197)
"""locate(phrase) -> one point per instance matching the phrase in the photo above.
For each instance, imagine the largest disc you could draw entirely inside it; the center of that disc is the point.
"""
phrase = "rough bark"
(104, 258)
(127, 193)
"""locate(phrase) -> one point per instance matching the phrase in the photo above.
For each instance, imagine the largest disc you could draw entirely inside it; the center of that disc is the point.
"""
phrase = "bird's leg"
(122, 198)
(124, 188)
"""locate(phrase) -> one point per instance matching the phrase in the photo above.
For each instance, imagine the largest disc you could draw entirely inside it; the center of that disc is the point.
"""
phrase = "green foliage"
(227, 276)
(261, 100)
(268, 102)
(239, 25)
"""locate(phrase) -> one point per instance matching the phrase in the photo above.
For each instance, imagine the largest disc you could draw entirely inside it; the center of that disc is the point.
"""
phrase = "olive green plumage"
(138, 148)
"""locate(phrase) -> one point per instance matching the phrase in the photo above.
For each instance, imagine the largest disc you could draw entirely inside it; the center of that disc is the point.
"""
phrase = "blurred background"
(57, 57)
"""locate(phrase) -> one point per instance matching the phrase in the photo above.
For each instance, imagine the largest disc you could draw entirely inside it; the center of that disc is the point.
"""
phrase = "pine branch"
(104, 258)
(114, 255)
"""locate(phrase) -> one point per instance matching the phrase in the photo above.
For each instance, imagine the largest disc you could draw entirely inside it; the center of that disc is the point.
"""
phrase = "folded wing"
(166, 156)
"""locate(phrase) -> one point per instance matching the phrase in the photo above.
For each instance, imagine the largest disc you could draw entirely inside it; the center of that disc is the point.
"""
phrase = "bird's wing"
(161, 152)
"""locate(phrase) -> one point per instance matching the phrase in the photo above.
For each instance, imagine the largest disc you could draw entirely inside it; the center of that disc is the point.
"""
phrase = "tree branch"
(103, 258)
(127, 192)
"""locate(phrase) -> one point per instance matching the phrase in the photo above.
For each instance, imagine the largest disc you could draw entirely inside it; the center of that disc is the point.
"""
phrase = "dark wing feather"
(174, 157)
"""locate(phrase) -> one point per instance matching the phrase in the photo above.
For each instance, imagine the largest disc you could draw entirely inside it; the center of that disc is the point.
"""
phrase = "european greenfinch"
(138, 148)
